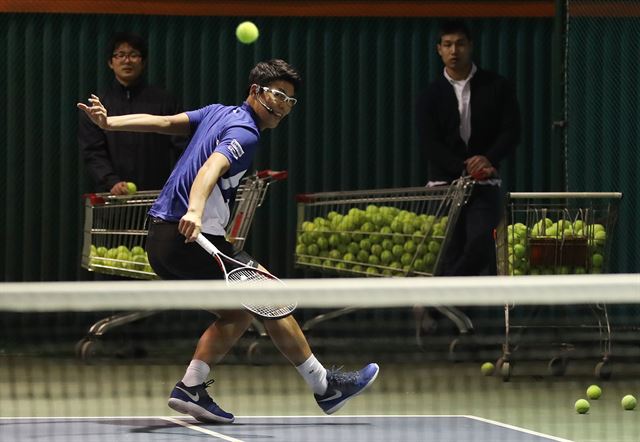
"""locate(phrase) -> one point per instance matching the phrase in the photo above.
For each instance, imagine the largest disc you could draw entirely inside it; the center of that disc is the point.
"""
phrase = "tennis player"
(196, 199)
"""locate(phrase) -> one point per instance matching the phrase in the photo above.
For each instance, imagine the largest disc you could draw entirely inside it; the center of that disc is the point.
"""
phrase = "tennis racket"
(241, 273)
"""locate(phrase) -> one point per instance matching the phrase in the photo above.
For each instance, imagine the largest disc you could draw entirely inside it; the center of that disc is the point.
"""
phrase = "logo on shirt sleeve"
(236, 149)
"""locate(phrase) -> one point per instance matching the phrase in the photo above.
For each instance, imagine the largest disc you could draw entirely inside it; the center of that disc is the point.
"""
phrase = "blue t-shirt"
(229, 130)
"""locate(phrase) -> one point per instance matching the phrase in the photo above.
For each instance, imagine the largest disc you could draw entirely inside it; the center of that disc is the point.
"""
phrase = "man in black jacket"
(468, 121)
(114, 158)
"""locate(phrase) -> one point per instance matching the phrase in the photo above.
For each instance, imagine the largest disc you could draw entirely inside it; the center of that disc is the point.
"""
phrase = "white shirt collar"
(469, 77)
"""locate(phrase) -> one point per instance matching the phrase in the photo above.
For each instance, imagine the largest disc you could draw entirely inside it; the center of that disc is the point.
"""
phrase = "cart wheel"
(558, 366)
(502, 360)
(505, 371)
(86, 349)
(604, 369)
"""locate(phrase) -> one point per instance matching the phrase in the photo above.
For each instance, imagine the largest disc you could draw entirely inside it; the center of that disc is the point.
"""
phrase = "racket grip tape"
(206, 244)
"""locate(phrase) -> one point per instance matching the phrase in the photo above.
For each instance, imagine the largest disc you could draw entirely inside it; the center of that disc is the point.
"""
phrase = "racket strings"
(271, 311)
(244, 275)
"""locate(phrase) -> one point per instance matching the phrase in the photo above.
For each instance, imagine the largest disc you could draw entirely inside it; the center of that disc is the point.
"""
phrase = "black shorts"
(172, 258)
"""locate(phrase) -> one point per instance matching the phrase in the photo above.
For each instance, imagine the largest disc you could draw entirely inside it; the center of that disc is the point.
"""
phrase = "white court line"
(481, 419)
(513, 427)
(201, 430)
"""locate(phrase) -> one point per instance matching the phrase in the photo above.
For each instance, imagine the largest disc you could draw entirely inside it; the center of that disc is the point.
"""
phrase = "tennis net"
(73, 367)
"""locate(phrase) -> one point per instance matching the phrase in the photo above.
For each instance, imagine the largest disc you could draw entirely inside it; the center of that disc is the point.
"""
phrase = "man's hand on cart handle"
(484, 173)
(189, 226)
(120, 188)
(96, 112)
(476, 162)
(479, 167)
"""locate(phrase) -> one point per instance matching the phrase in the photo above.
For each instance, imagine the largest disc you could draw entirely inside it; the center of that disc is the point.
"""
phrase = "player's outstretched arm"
(163, 124)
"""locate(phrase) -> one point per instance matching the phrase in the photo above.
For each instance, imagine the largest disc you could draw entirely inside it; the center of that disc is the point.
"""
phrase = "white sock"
(314, 374)
(196, 373)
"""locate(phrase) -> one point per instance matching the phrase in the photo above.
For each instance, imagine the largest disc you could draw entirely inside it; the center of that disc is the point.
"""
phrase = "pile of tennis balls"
(518, 236)
(120, 258)
(375, 241)
(594, 392)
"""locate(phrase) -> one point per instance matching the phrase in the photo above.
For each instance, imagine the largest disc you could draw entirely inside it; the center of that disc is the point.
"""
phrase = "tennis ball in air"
(487, 369)
(629, 402)
(594, 392)
(132, 188)
(582, 406)
(247, 32)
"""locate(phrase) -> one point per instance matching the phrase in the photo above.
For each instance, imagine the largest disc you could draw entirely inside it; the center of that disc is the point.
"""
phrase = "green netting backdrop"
(603, 131)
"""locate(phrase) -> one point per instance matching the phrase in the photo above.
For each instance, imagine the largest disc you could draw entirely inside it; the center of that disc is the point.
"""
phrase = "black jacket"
(143, 158)
(495, 124)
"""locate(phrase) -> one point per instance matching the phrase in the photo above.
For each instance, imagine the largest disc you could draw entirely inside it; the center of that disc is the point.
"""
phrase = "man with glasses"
(195, 200)
(113, 158)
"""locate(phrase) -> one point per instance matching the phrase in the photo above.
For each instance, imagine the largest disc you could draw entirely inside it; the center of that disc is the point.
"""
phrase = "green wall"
(353, 127)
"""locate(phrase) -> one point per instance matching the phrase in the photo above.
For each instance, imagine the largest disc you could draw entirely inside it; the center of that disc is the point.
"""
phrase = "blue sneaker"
(343, 386)
(196, 402)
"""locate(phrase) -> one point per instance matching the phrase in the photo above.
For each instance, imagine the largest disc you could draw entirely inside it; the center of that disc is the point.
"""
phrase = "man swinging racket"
(194, 203)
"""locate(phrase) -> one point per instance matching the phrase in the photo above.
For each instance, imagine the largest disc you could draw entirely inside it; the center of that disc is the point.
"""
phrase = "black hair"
(269, 71)
(454, 26)
(134, 40)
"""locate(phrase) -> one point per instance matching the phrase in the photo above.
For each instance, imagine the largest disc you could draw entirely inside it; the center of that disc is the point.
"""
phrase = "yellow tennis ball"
(582, 406)
(487, 369)
(594, 392)
(629, 402)
(247, 32)
(132, 188)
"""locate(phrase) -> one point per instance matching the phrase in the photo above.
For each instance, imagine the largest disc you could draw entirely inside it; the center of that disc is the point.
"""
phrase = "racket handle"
(206, 244)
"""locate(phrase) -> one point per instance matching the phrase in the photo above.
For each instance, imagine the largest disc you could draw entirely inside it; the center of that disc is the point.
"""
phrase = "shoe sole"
(341, 404)
(197, 412)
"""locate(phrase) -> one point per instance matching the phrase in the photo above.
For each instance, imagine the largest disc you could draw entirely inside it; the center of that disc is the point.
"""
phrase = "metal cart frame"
(111, 220)
(441, 202)
(568, 245)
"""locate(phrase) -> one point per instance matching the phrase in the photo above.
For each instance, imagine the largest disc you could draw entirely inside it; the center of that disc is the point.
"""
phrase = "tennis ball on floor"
(487, 369)
(594, 392)
(629, 402)
(582, 406)
(132, 188)
(247, 32)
